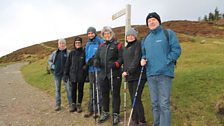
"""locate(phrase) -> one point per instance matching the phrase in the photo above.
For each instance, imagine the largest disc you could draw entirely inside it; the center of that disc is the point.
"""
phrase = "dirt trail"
(22, 104)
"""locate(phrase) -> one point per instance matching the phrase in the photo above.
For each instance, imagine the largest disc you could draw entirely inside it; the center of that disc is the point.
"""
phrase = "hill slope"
(184, 30)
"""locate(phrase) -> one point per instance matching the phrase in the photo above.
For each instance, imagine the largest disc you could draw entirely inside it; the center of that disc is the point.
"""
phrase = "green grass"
(198, 83)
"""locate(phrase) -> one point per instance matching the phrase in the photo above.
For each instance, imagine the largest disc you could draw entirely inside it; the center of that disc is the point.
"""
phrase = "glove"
(65, 78)
(90, 61)
(52, 67)
(96, 63)
(112, 65)
(85, 67)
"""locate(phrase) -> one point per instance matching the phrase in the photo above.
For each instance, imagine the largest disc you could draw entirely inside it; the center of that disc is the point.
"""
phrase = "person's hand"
(143, 62)
(112, 65)
(96, 63)
(125, 74)
(65, 78)
(52, 67)
(90, 61)
(85, 67)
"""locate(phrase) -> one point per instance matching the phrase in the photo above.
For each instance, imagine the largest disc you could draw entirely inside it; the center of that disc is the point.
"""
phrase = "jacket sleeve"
(119, 61)
(67, 64)
(51, 59)
(86, 52)
(143, 53)
(96, 58)
(175, 49)
(136, 59)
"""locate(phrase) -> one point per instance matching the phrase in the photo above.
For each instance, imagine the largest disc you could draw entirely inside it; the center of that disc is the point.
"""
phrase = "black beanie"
(91, 29)
(77, 38)
(153, 15)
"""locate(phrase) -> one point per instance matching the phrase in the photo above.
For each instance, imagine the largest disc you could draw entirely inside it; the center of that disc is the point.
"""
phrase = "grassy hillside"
(197, 88)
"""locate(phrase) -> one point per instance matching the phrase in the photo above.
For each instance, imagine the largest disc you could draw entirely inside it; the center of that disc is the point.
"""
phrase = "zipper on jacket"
(107, 46)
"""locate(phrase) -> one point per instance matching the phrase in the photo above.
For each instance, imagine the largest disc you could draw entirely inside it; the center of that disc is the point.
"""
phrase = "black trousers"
(105, 85)
(138, 112)
(77, 86)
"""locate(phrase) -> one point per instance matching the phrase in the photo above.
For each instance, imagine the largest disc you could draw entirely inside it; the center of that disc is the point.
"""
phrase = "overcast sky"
(27, 22)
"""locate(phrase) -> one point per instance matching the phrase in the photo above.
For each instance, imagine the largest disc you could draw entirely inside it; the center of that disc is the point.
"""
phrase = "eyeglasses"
(78, 42)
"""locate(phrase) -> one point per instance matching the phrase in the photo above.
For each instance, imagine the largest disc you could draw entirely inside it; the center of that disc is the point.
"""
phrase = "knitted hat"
(107, 29)
(132, 31)
(91, 29)
(77, 38)
(153, 15)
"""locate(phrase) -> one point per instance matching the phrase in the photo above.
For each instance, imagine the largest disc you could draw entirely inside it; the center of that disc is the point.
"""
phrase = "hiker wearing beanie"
(160, 50)
(131, 71)
(109, 59)
(92, 45)
(75, 72)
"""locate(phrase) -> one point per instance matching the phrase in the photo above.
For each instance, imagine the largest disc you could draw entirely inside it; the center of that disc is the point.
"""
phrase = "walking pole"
(125, 92)
(135, 97)
(111, 78)
(97, 93)
(94, 109)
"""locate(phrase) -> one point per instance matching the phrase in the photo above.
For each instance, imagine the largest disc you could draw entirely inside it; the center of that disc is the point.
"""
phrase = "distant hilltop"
(185, 30)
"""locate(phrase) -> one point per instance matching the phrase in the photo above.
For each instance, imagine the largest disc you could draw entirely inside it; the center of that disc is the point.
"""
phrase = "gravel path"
(24, 105)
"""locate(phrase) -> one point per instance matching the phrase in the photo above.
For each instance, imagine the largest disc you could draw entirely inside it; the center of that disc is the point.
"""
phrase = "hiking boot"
(88, 114)
(72, 107)
(57, 108)
(104, 117)
(79, 109)
(133, 123)
(116, 118)
(96, 115)
(142, 124)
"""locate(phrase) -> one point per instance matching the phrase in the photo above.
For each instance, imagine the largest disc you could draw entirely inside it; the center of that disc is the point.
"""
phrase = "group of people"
(105, 61)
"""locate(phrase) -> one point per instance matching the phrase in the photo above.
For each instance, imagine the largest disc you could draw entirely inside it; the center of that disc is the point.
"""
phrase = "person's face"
(130, 38)
(106, 35)
(78, 44)
(153, 23)
(91, 35)
(61, 45)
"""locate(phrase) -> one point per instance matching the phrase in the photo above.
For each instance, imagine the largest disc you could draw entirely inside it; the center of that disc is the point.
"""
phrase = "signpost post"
(127, 12)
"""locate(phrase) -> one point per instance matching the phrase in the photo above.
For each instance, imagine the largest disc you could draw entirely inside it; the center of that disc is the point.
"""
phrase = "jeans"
(160, 87)
(92, 80)
(58, 80)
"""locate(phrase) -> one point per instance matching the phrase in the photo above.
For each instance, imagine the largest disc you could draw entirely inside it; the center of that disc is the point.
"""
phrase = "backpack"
(167, 38)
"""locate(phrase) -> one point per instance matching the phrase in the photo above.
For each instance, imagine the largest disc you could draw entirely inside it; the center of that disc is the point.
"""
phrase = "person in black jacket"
(57, 62)
(75, 71)
(109, 57)
(131, 71)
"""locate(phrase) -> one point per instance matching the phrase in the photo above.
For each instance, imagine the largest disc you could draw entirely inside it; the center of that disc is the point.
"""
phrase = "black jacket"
(75, 67)
(109, 55)
(131, 58)
(60, 59)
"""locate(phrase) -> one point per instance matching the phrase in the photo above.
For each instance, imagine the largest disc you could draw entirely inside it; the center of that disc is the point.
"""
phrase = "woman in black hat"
(76, 73)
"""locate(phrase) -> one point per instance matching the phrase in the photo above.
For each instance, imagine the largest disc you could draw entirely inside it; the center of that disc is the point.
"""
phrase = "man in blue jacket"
(160, 50)
(92, 45)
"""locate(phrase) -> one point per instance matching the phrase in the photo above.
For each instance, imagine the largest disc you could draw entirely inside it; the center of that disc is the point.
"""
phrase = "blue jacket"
(91, 48)
(159, 53)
